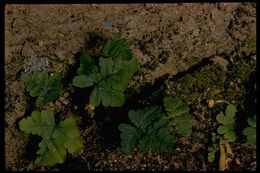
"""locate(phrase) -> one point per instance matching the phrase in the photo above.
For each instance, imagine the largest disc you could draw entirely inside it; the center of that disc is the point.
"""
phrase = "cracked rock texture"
(166, 39)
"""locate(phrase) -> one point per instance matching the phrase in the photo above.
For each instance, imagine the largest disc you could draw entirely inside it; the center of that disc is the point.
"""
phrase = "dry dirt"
(165, 38)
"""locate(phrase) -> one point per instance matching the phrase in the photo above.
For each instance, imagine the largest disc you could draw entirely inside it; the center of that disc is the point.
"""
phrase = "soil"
(193, 51)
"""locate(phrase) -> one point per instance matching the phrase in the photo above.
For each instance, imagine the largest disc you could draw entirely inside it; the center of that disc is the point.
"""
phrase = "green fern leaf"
(50, 153)
(250, 131)
(222, 130)
(177, 115)
(174, 107)
(230, 135)
(158, 138)
(145, 143)
(103, 93)
(157, 125)
(88, 73)
(116, 67)
(211, 154)
(252, 121)
(231, 111)
(227, 129)
(39, 84)
(31, 124)
(117, 47)
(56, 138)
(116, 75)
(149, 131)
(129, 137)
(87, 65)
(171, 104)
(69, 135)
(183, 124)
(143, 117)
(164, 140)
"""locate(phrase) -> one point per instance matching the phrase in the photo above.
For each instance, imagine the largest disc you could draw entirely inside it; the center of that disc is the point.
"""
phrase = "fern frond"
(116, 67)
(149, 131)
(227, 129)
(250, 131)
(55, 138)
(178, 115)
(39, 84)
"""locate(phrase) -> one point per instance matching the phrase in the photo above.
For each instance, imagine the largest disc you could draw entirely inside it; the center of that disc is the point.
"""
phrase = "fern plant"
(214, 148)
(39, 84)
(116, 67)
(56, 139)
(178, 115)
(250, 131)
(227, 129)
(149, 131)
(211, 154)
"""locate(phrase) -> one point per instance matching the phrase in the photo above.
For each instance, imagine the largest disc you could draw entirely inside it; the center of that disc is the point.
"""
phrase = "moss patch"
(213, 82)
(207, 82)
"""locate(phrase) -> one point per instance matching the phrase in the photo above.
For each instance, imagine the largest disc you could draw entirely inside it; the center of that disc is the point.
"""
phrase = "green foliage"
(178, 115)
(116, 67)
(215, 138)
(55, 138)
(149, 131)
(214, 148)
(116, 47)
(39, 84)
(211, 154)
(250, 131)
(228, 121)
